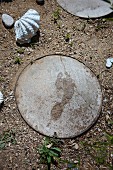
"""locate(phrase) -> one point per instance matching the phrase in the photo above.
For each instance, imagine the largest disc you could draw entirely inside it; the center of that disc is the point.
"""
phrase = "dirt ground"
(90, 41)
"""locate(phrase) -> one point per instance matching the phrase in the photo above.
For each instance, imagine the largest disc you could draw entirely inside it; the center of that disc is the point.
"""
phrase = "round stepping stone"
(59, 95)
(86, 8)
(7, 20)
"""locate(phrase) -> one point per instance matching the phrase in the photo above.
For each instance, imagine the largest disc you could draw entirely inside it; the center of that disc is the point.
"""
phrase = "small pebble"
(1, 99)
(70, 166)
(76, 146)
(111, 155)
(99, 130)
(40, 2)
(7, 20)
(107, 117)
(109, 62)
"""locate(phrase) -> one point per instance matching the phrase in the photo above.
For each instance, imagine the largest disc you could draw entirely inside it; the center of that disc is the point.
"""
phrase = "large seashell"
(27, 26)
(1, 98)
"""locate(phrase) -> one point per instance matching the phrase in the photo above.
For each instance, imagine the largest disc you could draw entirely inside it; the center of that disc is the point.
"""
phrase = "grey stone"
(86, 8)
(7, 20)
(58, 95)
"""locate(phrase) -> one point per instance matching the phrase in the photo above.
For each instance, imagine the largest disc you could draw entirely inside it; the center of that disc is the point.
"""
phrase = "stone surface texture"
(58, 94)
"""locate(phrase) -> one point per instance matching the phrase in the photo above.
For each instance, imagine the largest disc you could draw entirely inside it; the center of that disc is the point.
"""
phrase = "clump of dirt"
(89, 41)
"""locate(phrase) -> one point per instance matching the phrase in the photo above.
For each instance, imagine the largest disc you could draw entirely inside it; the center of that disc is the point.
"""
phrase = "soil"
(89, 41)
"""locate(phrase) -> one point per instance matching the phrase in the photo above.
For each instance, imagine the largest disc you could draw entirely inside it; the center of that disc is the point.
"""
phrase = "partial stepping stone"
(7, 20)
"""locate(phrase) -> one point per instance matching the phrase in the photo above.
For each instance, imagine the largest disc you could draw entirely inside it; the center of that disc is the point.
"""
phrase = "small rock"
(1, 99)
(72, 166)
(7, 20)
(50, 145)
(109, 62)
(107, 118)
(75, 146)
(40, 2)
(76, 162)
(111, 155)
(99, 130)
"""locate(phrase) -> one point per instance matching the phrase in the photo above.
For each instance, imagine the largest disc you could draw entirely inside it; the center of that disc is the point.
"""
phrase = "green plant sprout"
(67, 37)
(109, 138)
(7, 137)
(56, 15)
(99, 150)
(17, 60)
(1, 78)
(49, 153)
(20, 50)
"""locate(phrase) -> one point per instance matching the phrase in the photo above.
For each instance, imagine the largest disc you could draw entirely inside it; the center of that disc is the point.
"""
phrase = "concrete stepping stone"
(57, 94)
(86, 8)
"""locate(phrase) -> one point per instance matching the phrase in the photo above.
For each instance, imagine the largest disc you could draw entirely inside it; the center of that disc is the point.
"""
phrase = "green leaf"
(6, 137)
(53, 153)
(56, 149)
(108, 19)
(110, 167)
(2, 145)
(100, 160)
(49, 159)
(109, 138)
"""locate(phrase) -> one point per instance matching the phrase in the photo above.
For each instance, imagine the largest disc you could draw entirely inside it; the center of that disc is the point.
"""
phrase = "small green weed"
(67, 37)
(110, 167)
(109, 138)
(108, 19)
(101, 24)
(99, 150)
(56, 15)
(20, 50)
(17, 60)
(49, 153)
(7, 137)
(71, 44)
(1, 78)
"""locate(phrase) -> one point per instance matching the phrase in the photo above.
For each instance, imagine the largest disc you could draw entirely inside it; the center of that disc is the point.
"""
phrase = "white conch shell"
(1, 98)
(27, 26)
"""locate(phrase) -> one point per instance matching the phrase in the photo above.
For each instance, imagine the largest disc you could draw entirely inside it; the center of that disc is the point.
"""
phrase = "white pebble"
(1, 98)
(76, 146)
(7, 20)
(109, 62)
